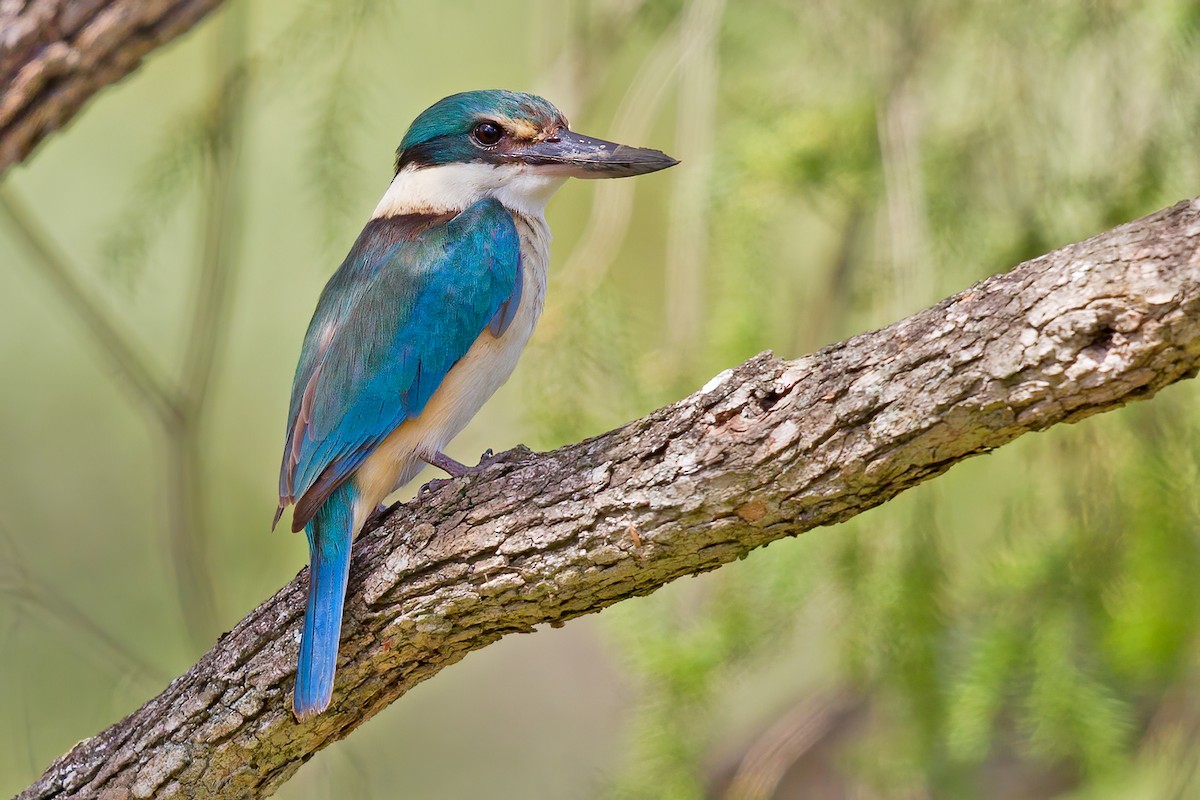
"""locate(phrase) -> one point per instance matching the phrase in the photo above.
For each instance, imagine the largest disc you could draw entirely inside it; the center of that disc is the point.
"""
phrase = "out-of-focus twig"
(577, 40)
(815, 330)
(221, 227)
(899, 144)
(24, 589)
(900, 118)
(695, 141)
(612, 207)
(771, 754)
(116, 345)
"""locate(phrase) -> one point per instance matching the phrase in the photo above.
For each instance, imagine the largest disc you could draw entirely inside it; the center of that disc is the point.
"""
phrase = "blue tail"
(329, 537)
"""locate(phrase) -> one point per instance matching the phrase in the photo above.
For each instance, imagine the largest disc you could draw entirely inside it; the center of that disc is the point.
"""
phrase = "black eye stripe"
(487, 133)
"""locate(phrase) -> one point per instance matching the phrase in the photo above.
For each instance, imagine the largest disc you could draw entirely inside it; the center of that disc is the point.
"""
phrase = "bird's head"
(512, 146)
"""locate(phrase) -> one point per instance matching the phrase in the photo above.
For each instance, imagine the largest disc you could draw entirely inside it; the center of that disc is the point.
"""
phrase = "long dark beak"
(574, 155)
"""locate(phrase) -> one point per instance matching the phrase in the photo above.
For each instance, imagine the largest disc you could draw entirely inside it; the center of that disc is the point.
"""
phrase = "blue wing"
(407, 303)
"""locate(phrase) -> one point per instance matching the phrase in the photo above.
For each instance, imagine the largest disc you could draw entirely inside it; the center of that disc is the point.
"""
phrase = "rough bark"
(766, 450)
(56, 54)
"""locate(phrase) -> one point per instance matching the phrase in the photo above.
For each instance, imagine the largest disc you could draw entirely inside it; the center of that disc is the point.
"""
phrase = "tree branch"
(56, 54)
(770, 449)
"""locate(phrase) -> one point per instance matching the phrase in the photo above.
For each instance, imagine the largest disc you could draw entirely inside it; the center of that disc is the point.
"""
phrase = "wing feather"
(391, 323)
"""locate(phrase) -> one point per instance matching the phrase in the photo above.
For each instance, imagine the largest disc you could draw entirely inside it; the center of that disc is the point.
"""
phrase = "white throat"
(454, 187)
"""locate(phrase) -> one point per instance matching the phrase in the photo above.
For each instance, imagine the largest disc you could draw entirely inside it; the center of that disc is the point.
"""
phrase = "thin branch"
(220, 226)
(221, 216)
(117, 345)
(768, 450)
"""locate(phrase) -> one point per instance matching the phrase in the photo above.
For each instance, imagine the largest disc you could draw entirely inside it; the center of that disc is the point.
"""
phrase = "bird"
(422, 322)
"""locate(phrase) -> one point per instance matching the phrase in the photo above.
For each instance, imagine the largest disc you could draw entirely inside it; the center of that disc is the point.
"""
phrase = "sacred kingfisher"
(421, 323)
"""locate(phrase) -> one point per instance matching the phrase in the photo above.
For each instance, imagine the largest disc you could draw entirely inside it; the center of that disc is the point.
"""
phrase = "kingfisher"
(421, 324)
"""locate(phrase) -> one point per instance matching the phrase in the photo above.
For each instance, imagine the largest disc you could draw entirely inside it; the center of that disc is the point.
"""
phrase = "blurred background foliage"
(1026, 626)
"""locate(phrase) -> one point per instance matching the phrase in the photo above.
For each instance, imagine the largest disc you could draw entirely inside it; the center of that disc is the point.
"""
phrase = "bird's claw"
(433, 486)
(377, 517)
(489, 458)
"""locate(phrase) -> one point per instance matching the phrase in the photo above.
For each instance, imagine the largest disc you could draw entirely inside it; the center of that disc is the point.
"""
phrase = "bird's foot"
(456, 469)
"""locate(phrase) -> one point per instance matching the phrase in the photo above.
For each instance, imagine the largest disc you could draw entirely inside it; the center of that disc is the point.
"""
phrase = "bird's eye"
(488, 133)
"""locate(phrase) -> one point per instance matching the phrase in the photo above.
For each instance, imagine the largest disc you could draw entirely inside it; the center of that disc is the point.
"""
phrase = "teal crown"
(440, 134)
